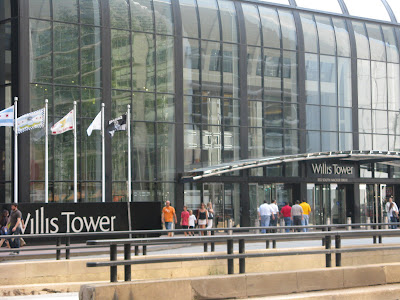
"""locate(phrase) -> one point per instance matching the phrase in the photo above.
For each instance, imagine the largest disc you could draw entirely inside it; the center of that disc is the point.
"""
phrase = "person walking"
(185, 219)
(286, 214)
(3, 226)
(306, 214)
(210, 211)
(192, 222)
(264, 214)
(274, 214)
(202, 217)
(14, 223)
(392, 212)
(167, 217)
(297, 214)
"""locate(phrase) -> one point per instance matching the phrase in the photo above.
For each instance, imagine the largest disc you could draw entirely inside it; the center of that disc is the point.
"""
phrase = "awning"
(362, 157)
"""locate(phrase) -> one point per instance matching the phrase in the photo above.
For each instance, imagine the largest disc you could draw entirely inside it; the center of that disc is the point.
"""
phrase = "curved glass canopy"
(277, 1)
(326, 5)
(372, 9)
(395, 6)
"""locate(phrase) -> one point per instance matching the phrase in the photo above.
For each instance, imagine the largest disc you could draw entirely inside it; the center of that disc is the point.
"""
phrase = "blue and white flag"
(31, 121)
(7, 117)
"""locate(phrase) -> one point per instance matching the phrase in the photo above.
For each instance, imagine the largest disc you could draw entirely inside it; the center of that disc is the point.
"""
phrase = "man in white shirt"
(392, 212)
(275, 213)
(264, 214)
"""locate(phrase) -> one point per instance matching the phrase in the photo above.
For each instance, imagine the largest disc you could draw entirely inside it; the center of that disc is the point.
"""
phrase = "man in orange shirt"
(168, 216)
(306, 214)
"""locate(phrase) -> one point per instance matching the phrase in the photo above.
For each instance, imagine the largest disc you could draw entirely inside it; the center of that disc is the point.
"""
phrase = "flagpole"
(15, 150)
(128, 124)
(103, 157)
(46, 151)
(75, 160)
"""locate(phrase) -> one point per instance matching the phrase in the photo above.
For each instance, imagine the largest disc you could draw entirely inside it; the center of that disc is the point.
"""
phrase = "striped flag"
(65, 124)
(30, 121)
(7, 117)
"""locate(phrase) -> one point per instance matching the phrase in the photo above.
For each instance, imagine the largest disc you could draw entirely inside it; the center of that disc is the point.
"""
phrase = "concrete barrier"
(246, 285)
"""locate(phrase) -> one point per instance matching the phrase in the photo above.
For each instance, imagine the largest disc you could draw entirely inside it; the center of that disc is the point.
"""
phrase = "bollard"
(274, 244)
(257, 224)
(212, 243)
(144, 251)
(349, 222)
(328, 222)
(328, 256)
(58, 252)
(242, 261)
(229, 245)
(113, 269)
(205, 247)
(67, 250)
(136, 250)
(230, 225)
(374, 237)
(281, 224)
(127, 256)
(267, 244)
(368, 221)
(385, 220)
(338, 245)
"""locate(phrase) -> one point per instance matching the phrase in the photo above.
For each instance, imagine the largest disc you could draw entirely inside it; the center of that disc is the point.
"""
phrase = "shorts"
(191, 227)
(185, 226)
(168, 225)
(202, 222)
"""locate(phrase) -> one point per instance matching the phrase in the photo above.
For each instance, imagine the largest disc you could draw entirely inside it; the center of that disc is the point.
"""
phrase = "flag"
(96, 124)
(65, 124)
(117, 124)
(7, 116)
(31, 121)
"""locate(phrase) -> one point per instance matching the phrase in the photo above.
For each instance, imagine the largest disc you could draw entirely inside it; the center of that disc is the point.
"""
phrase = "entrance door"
(375, 198)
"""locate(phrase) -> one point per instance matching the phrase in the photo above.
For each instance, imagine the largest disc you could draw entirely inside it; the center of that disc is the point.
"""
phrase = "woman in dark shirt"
(202, 217)
(3, 226)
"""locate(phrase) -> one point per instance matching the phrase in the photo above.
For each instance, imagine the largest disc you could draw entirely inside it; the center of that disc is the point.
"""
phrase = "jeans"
(297, 222)
(265, 222)
(274, 222)
(304, 222)
(288, 222)
(16, 242)
(393, 220)
(168, 225)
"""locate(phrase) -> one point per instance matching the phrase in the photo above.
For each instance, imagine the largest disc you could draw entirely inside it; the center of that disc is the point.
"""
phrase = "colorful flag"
(96, 124)
(7, 116)
(65, 124)
(31, 121)
(117, 124)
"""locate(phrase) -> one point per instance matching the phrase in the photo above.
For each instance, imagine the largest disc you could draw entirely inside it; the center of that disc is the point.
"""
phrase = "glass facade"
(209, 82)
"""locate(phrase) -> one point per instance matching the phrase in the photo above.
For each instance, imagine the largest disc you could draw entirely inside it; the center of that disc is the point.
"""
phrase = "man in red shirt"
(286, 213)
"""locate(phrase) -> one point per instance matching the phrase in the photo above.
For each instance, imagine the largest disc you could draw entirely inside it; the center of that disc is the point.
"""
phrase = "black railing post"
(323, 239)
(267, 244)
(242, 261)
(274, 244)
(380, 236)
(212, 243)
(113, 269)
(229, 244)
(144, 248)
(67, 250)
(136, 250)
(328, 256)
(205, 247)
(127, 256)
(58, 252)
(338, 245)
(374, 237)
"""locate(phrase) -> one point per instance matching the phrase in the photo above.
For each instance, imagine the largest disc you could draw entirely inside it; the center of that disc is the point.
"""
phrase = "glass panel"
(119, 192)
(211, 75)
(163, 16)
(119, 158)
(345, 119)
(143, 192)
(165, 152)
(270, 27)
(329, 141)
(120, 100)
(289, 37)
(192, 149)
(252, 21)
(191, 67)
(189, 18)
(209, 21)
(273, 142)
(64, 98)
(41, 51)
(143, 62)
(91, 99)
(394, 143)
(290, 115)
(66, 11)
(327, 41)
(120, 59)
(39, 9)
(381, 171)
(313, 115)
(231, 112)
(365, 141)
(345, 141)
(211, 111)
(142, 15)
(391, 47)
(372, 9)
(255, 113)
(289, 75)
(361, 40)
(144, 161)
(380, 142)
(119, 14)
(255, 143)
(379, 121)
(291, 142)
(379, 88)
(5, 9)
(393, 86)
(90, 56)
(330, 117)
(254, 72)
(91, 152)
(144, 107)
(344, 82)
(312, 78)
(165, 108)
(228, 19)
(395, 6)
(230, 68)
(364, 83)
(313, 140)
(394, 123)
(5, 53)
(211, 147)
(192, 109)
(364, 120)
(376, 43)
(165, 64)
(279, 1)
(273, 114)
(231, 144)
(328, 80)
(326, 5)
(342, 37)
(272, 75)
(310, 33)
(90, 12)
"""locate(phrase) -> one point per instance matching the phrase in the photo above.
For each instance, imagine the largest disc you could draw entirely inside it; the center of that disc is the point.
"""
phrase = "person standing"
(392, 212)
(274, 213)
(297, 214)
(15, 226)
(286, 213)
(202, 217)
(167, 217)
(210, 211)
(264, 214)
(306, 214)
(185, 219)
(192, 222)
(3, 226)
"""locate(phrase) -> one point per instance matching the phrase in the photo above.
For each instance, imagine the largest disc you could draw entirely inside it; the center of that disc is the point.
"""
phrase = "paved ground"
(61, 296)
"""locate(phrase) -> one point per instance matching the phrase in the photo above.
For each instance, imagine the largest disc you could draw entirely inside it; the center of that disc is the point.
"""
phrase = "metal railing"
(63, 241)
(127, 262)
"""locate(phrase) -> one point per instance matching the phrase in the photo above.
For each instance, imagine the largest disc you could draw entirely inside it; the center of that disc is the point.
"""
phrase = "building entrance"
(373, 198)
